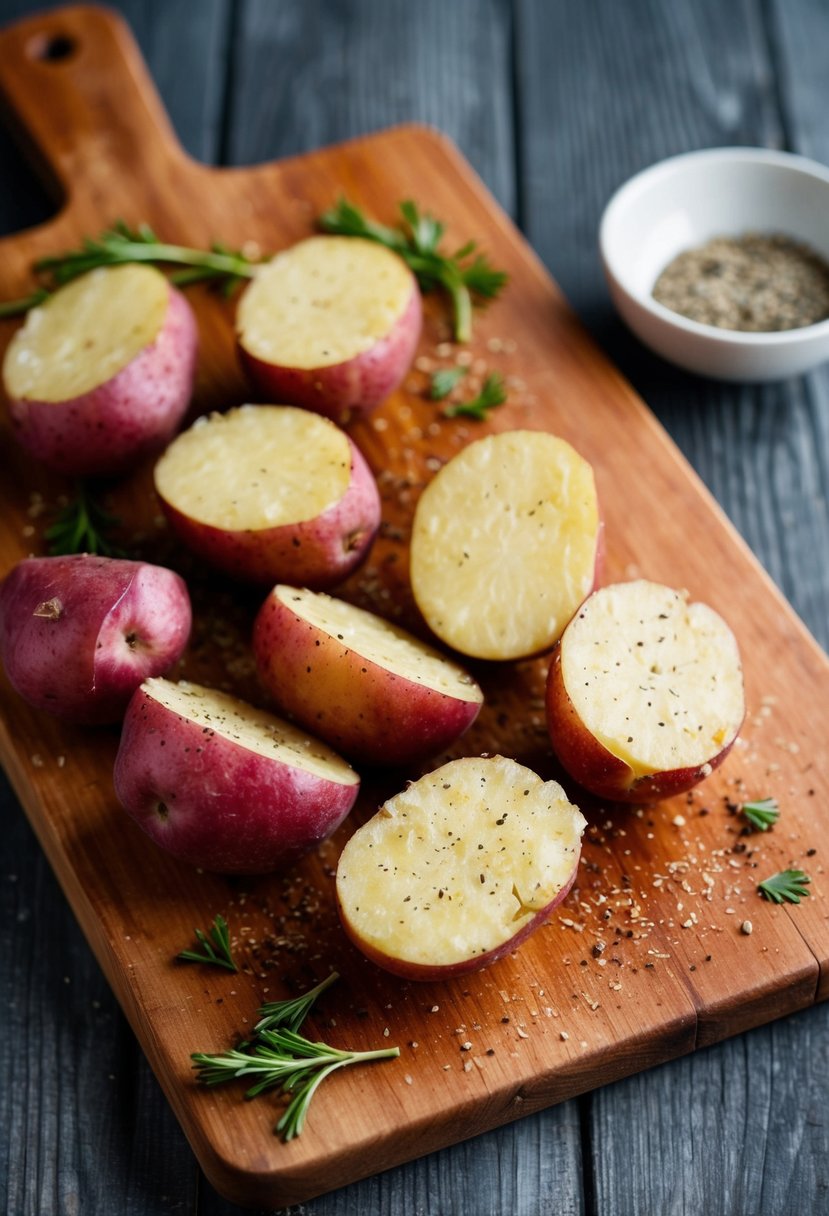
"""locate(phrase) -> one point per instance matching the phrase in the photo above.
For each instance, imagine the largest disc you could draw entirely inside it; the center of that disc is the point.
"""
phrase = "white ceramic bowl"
(681, 203)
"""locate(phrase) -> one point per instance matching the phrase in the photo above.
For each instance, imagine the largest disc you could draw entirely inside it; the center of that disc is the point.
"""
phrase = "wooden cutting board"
(647, 959)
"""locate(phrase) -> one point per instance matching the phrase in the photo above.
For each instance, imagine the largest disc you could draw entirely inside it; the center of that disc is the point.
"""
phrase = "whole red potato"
(78, 634)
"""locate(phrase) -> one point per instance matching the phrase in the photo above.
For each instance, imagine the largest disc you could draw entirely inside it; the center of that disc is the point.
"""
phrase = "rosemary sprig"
(120, 245)
(291, 1013)
(216, 947)
(15, 308)
(81, 527)
(444, 380)
(493, 393)
(281, 1058)
(286, 1060)
(762, 813)
(789, 885)
(463, 275)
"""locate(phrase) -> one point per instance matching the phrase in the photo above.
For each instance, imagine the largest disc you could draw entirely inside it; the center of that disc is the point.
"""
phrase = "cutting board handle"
(82, 100)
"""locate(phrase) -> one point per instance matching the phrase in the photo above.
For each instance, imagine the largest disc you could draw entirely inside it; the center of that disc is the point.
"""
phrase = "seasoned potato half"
(459, 868)
(270, 493)
(645, 693)
(102, 372)
(505, 544)
(223, 785)
(366, 686)
(330, 324)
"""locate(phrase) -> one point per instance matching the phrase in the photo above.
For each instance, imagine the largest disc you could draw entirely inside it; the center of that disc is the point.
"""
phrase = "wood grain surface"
(137, 909)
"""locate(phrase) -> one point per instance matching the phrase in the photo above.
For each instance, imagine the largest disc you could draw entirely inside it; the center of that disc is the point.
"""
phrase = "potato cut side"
(86, 333)
(255, 467)
(656, 679)
(380, 642)
(456, 865)
(504, 544)
(252, 728)
(323, 301)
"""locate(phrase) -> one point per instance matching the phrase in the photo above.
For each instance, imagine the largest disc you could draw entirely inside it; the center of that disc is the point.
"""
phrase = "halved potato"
(102, 372)
(223, 785)
(270, 493)
(330, 324)
(459, 868)
(506, 544)
(364, 685)
(645, 692)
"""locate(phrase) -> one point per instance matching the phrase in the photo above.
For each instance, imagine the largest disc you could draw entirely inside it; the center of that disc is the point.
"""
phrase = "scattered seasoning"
(747, 928)
(758, 282)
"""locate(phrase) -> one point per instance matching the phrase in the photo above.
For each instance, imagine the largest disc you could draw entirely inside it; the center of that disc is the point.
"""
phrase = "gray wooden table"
(555, 103)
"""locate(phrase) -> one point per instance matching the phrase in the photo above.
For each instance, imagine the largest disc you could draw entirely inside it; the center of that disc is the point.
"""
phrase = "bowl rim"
(645, 178)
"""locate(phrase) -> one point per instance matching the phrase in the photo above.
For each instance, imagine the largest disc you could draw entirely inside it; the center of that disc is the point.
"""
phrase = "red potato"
(331, 324)
(364, 685)
(459, 868)
(224, 786)
(79, 634)
(507, 541)
(102, 373)
(270, 493)
(645, 693)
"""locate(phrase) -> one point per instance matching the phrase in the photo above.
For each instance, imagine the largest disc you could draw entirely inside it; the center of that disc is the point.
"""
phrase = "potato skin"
(344, 392)
(215, 804)
(317, 553)
(112, 427)
(595, 768)
(419, 971)
(78, 634)
(357, 706)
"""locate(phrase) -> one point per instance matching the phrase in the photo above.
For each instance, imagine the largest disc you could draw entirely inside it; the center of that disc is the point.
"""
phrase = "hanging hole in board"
(52, 48)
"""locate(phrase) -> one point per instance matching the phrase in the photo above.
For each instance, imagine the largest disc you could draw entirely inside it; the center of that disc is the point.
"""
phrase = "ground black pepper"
(756, 283)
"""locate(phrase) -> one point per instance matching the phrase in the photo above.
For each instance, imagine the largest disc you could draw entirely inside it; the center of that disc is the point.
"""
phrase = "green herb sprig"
(789, 885)
(762, 813)
(286, 1060)
(120, 245)
(492, 394)
(82, 527)
(281, 1058)
(464, 275)
(444, 380)
(215, 948)
(291, 1013)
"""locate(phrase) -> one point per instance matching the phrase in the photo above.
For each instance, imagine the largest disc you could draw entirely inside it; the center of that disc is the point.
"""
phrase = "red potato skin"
(226, 809)
(344, 392)
(111, 428)
(447, 971)
(315, 553)
(595, 768)
(76, 659)
(358, 707)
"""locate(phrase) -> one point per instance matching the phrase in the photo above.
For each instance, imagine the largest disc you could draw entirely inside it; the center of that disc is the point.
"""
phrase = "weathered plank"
(355, 67)
(602, 94)
(85, 1125)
